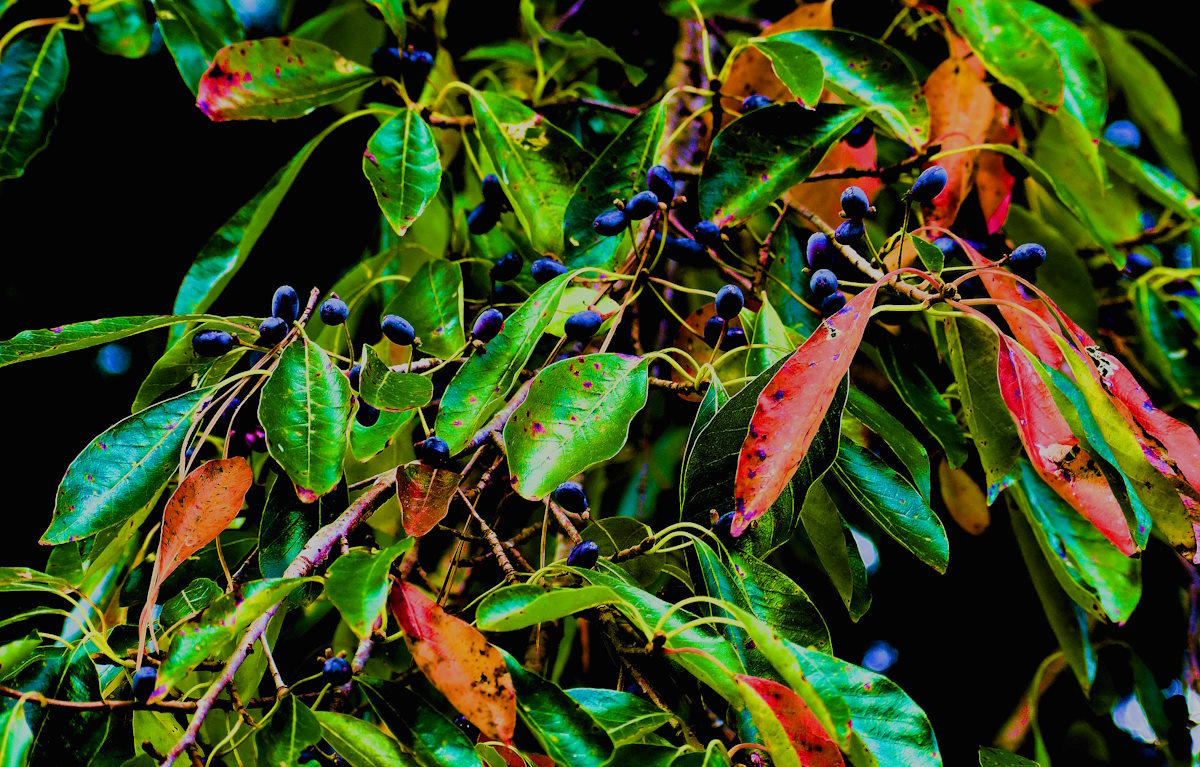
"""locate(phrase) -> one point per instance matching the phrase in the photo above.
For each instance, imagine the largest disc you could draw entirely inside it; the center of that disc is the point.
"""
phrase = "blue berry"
(1181, 256)
(819, 251)
(433, 451)
(212, 343)
(355, 375)
(707, 233)
(714, 328)
(662, 183)
(754, 101)
(929, 184)
(571, 497)
(581, 326)
(1123, 135)
(285, 304)
(1181, 288)
(724, 526)
(145, 679)
(1138, 264)
(849, 232)
(584, 554)
(367, 415)
(1027, 256)
(948, 246)
(336, 671)
(334, 311)
(493, 193)
(831, 305)
(823, 283)
(734, 338)
(398, 330)
(488, 325)
(641, 205)
(860, 134)
(610, 222)
(482, 218)
(272, 331)
(546, 269)
(507, 268)
(729, 301)
(855, 203)
(680, 248)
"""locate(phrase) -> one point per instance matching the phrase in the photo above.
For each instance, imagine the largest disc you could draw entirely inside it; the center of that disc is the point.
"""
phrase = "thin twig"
(764, 253)
(281, 687)
(510, 573)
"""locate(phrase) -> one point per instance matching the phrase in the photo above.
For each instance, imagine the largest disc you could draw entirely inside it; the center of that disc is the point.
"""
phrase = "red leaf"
(1032, 335)
(458, 661)
(513, 758)
(204, 504)
(424, 494)
(960, 112)
(791, 408)
(993, 182)
(1054, 450)
(813, 745)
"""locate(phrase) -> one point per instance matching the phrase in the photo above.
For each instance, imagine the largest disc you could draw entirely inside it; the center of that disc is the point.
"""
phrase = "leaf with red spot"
(275, 78)
(424, 495)
(791, 408)
(793, 734)
(961, 108)
(1054, 450)
(458, 661)
(993, 183)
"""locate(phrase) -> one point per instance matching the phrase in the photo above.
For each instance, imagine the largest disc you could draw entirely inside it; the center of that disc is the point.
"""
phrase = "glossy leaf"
(121, 29)
(623, 716)
(618, 173)
(752, 72)
(361, 743)
(368, 441)
(1012, 49)
(481, 385)
(15, 737)
(33, 74)
(536, 161)
(424, 494)
(576, 43)
(576, 299)
(458, 661)
(777, 600)
(290, 730)
(924, 400)
(791, 409)
(864, 71)
(393, 15)
(122, 470)
(523, 604)
(836, 550)
(288, 523)
(180, 362)
(203, 505)
(194, 30)
(713, 400)
(59, 735)
(305, 411)
(764, 153)
(357, 584)
(433, 302)
(36, 344)
(995, 757)
(770, 333)
(1085, 92)
(577, 414)
(401, 162)
(1151, 181)
(434, 739)
(564, 729)
(188, 603)
(793, 734)
(901, 441)
(932, 257)
(797, 67)
(273, 78)
(388, 389)
(961, 108)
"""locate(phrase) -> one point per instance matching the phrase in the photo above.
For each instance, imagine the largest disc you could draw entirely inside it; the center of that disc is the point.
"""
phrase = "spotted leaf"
(961, 108)
(794, 735)
(424, 494)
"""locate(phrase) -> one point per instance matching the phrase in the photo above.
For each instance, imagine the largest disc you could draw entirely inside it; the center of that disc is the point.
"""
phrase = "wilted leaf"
(964, 500)
(424, 494)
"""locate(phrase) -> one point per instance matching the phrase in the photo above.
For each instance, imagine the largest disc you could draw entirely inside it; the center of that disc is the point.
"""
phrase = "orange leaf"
(791, 407)
(812, 744)
(1026, 329)
(824, 197)
(993, 182)
(424, 494)
(751, 71)
(960, 112)
(458, 661)
(964, 499)
(204, 504)
(1054, 450)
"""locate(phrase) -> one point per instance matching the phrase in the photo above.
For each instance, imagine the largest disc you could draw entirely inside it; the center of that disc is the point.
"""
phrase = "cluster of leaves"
(264, 499)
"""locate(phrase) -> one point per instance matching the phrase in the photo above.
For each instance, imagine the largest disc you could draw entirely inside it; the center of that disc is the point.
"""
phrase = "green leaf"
(14, 655)
(287, 524)
(791, 280)
(393, 15)
(836, 550)
(864, 71)
(15, 737)
(931, 255)
(433, 302)
(576, 43)
(122, 470)
(120, 29)
(893, 503)
(523, 604)
(198, 595)
(33, 74)
(60, 735)
(614, 534)
(923, 399)
(618, 173)
(973, 349)
(482, 384)
(1085, 93)
(995, 757)
(357, 583)
(778, 601)
(305, 411)
(713, 400)
(564, 729)
(901, 441)
(388, 389)
(1152, 182)
(368, 441)
(536, 161)
(36, 344)
(575, 299)
(1011, 49)
(771, 337)
(360, 743)
(434, 739)
(180, 362)
(623, 716)
(577, 415)
(402, 164)
(194, 30)
(290, 730)
(766, 152)
(1168, 345)
(274, 78)
(714, 755)
(797, 67)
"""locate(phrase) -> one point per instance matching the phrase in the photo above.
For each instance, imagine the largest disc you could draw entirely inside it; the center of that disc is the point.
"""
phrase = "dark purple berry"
(823, 283)
(355, 375)
(855, 203)
(707, 233)
(546, 269)
(929, 184)
(482, 218)
(488, 325)
(398, 330)
(272, 331)
(610, 222)
(1138, 264)
(145, 679)
(948, 246)
(860, 134)
(581, 326)
(387, 62)
(641, 205)
(831, 305)
(724, 526)
(334, 311)
(755, 101)
(713, 330)
(256, 440)
(584, 555)
(493, 193)
(1123, 135)
(211, 343)
(571, 497)
(367, 415)
(1181, 288)
(729, 301)
(849, 232)
(679, 248)
(819, 251)
(417, 66)
(507, 268)
(662, 183)
(433, 451)
(336, 671)
(285, 304)
(1028, 256)
(734, 338)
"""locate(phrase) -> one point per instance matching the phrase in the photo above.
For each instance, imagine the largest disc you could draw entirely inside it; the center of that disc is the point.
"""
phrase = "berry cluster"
(824, 283)
(486, 214)
(642, 205)
(717, 331)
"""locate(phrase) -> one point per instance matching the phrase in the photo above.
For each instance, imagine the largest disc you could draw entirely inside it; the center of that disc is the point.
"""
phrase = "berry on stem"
(546, 269)
(571, 497)
(581, 326)
(707, 233)
(584, 555)
(714, 328)
(285, 304)
(662, 183)
(1028, 256)
(488, 325)
(929, 184)
(398, 330)
(832, 304)
(819, 251)
(416, 65)
(610, 222)
(724, 526)
(679, 248)
(1123, 134)
(145, 679)
(823, 283)
(641, 205)
(334, 311)
(734, 338)
(860, 134)
(272, 331)
(849, 232)
(1138, 264)
(855, 204)
(493, 193)
(387, 62)
(355, 375)
(507, 268)
(336, 671)
(433, 451)
(212, 343)
(482, 218)
(729, 301)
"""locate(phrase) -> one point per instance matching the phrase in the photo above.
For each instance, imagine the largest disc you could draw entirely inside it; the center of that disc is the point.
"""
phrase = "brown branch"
(498, 421)
(682, 387)
(764, 253)
(510, 573)
(641, 547)
(165, 706)
(560, 514)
